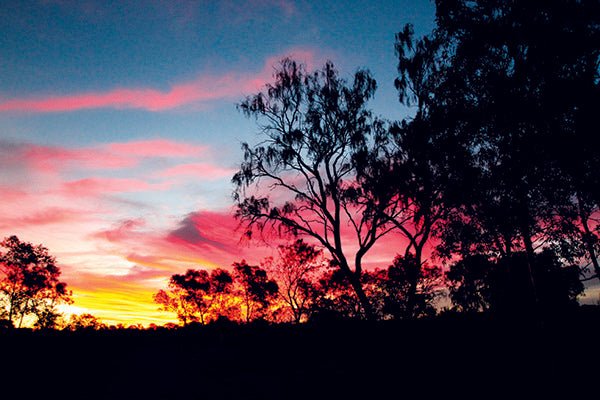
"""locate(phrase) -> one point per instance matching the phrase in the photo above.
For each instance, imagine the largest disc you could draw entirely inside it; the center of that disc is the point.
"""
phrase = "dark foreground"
(449, 357)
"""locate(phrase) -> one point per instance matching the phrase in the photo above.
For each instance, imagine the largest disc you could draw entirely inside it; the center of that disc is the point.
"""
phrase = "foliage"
(504, 92)
(502, 287)
(411, 288)
(197, 296)
(86, 321)
(295, 271)
(29, 284)
(256, 290)
(314, 126)
(334, 298)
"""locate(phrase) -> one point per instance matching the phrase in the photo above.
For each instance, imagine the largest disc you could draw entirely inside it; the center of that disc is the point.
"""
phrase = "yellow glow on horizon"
(121, 305)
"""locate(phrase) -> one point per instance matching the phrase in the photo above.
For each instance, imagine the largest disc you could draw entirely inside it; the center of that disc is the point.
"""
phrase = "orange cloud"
(204, 88)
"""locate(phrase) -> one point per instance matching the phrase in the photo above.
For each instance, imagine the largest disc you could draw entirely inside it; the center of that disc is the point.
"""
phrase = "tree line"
(492, 181)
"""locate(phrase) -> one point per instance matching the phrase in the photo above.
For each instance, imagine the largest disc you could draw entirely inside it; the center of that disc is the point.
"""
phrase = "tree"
(295, 271)
(469, 283)
(314, 126)
(197, 296)
(405, 299)
(333, 297)
(174, 300)
(86, 321)
(413, 168)
(29, 284)
(185, 296)
(256, 290)
(501, 286)
(511, 89)
(221, 302)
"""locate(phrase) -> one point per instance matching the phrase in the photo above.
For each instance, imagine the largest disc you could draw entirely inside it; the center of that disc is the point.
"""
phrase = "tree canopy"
(314, 126)
(29, 284)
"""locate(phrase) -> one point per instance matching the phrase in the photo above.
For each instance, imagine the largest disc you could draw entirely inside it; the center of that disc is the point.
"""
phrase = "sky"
(119, 132)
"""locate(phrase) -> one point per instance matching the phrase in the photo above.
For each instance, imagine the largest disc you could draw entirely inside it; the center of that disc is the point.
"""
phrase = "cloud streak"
(110, 156)
(205, 88)
(202, 170)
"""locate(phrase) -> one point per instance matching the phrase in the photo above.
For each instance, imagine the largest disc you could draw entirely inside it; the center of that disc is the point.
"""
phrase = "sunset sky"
(119, 132)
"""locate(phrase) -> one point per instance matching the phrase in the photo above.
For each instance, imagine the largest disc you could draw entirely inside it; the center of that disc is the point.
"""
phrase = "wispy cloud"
(205, 88)
(97, 185)
(198, 170)
(155, 148)
(110, 156)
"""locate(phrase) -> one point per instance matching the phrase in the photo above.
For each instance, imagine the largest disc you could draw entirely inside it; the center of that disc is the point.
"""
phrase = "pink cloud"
(122, 231)
(52, 215)
(10, 194)
(34, 216)
(116, 155)
(204, 88)
(211, 239)
(200, 170)
(51, 158)
(155, 148)
(96, 186)
(200, 239)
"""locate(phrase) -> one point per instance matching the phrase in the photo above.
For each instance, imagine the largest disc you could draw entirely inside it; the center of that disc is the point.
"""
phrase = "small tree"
(29, 284)
(411, 288)
(221, 301)
(295, 271)
(469, 283)
(86, 321)
(198, 296)
(256, 290)
(180, 298)
(333, 297)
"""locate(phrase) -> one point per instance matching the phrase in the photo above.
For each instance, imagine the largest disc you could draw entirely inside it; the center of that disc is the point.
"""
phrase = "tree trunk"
(412, 289)
(362, 297)
(354, 278)
(530, 255)
(588, 235)
(23, 313)
(524, 217)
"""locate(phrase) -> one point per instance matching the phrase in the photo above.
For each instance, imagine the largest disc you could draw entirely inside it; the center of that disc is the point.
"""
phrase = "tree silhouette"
(333, 297)
(501, 286)
(86, 321)
(469, 283)
(295, 270)
(413, 170)
(499, 92)
(411, 288)
(29, 284)
(220, 300)
(198, 296)
(313, 125)
(256, 290)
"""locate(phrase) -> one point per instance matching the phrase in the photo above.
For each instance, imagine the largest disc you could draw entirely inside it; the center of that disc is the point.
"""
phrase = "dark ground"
(442, 358)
